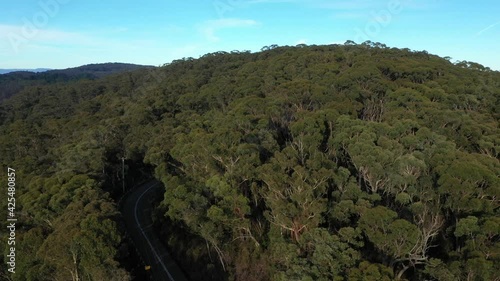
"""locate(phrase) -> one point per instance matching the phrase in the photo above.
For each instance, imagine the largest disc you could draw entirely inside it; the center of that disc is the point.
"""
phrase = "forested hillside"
(14, 82)
(339, 162)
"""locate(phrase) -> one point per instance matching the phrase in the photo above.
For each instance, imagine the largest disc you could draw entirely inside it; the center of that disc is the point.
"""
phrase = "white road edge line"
(144, 234)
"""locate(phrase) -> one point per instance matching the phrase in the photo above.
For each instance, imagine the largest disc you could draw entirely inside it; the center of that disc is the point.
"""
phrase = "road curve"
(136, 210)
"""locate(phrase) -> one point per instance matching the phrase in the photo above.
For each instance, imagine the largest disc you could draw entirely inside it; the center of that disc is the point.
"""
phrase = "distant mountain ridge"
(17, 79)
(99, 69)
(36, 70)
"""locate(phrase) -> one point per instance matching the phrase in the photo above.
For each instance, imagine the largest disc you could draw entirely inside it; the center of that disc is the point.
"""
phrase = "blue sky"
(67, 33)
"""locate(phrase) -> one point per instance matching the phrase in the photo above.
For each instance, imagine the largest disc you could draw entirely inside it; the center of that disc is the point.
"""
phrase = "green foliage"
(339, 162)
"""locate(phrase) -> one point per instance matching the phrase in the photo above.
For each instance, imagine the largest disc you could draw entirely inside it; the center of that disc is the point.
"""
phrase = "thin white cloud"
(28, 33)
(18, 38)
(301, 41)
(176, 29)
(338, 4)
(121, 29)
(210, 27)
(350, 15)
(487, 28)
(271, 1)
(345, 5)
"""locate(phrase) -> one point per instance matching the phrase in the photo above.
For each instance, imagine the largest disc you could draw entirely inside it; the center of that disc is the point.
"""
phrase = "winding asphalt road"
(136, 210)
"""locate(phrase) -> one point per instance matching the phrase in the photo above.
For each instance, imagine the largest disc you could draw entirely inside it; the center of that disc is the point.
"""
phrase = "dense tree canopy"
(339, 162)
